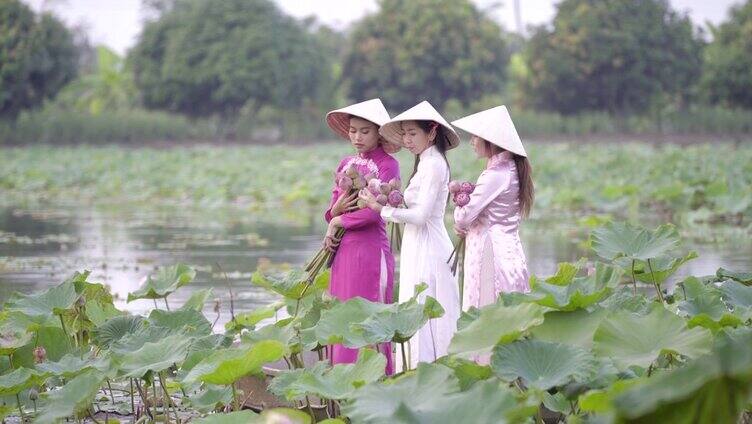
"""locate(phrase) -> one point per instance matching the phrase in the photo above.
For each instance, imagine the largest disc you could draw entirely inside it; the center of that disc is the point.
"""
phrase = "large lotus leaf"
(626, 300)
(228, 365)
(155, 357)
(741, 277)
(432, 395)
(54, 341)
(165, 281)
(335, 324)
(663, 267)
(739, 297)
(71, 365)
(574, 328)
(76, 396)
(705, 308)
(211, 397)
(98, 313)
(198, 299)
(237, 417)
(542, 365)
(712, 389)
(467, 372)
(251, 318)
(381, 402)
(580, 292)
(115, 329)
(53, 301)
(12, 340)
(496, 324)
(565, 273)
(337, 382)
(619, 239)
(398, 322)
(293, 284)
(20, 379)
(631, 339)
(188, 321)
(602, 400)
(277, 331)
(268, 416)
(136, 340)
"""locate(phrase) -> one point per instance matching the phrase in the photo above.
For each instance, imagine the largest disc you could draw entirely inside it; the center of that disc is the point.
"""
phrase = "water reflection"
(121, 246)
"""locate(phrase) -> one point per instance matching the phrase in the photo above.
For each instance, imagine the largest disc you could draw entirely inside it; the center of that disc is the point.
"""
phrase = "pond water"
(39, 248)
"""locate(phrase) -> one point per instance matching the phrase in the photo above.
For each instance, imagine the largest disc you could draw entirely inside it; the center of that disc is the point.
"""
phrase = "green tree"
(612, 55)
(37, 57)
(206, 58)
(437, 50)
(727, 77)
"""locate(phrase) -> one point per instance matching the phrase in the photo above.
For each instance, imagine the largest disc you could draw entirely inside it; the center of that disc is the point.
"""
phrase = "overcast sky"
(117, 23)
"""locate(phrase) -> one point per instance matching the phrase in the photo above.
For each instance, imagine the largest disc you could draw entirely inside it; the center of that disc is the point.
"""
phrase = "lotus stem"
(20, 408)
(62, 324)
(634, 282)
(655, 283)
(112, 395)
(167, 305)
(404, 358)
(168, 400)
(133, 402)
(235, 403)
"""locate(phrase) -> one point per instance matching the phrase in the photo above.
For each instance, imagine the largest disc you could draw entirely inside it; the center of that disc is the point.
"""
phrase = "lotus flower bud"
(454, 187)
(373, 186)
(33, 394)
(40, 354)
(352, 172)
(382, 199)
(467, 187)
(395, 198)
(385, 188)
(345, 184)
(395, 183)
(361, 203)
(359, 183)
(462, 199)
(81, 302)
(370, 177)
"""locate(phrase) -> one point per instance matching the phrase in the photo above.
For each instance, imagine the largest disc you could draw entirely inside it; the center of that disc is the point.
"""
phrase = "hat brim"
(339, 122)
(392, 131)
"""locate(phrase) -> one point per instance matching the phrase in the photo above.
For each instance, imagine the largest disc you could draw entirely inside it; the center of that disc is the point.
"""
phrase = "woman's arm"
(432, 175)
(490, 184)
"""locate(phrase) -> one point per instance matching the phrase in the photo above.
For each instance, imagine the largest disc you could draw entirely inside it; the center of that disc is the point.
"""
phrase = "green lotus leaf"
(739, 297)
(75, 397)
(467, 372)
(137, 339)
(53, 301)
(12, 340)
(115, 329)
(704, 306)
(398, 322)
(575, 327)
(712, 389)
(237, 417)
(619, 239)
(335, 325)
(198, 299)
(250, 319)
(155, 357)
(228, 365)
(187, 321)
(20, 379)
(166, 280)
(211, 397)
(740, 277)
(292, 284)
(496, 324)
(631, 339)
(579, 292)
(71, 365)
(542, 365)
(337, 382)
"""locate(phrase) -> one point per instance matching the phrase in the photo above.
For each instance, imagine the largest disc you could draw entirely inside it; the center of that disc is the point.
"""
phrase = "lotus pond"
(594, 342)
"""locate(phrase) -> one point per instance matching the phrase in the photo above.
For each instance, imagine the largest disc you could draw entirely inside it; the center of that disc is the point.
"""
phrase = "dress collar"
(429, 151)
(374, 154)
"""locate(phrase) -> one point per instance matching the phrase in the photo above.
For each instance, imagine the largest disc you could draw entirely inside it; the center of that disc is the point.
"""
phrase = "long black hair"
(441, 141)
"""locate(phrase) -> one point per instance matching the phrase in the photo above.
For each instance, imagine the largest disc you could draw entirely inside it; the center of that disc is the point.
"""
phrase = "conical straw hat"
(496, 126)
(371, 110)
(423, 111)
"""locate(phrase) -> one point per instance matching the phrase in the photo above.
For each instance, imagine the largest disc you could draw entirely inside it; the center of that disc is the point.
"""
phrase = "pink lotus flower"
(395, 198)
(467, 187)
(461, 199)
(382, 199)
(454, 187)
(40, 354)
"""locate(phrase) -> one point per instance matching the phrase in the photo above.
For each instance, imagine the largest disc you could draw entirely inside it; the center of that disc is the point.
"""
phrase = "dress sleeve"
(431, 176)
(490, 184)
(367, 216)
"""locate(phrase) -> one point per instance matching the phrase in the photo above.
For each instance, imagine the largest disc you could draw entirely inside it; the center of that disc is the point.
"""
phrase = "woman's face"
(415, 139)
(364, 134)
(480, 147)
